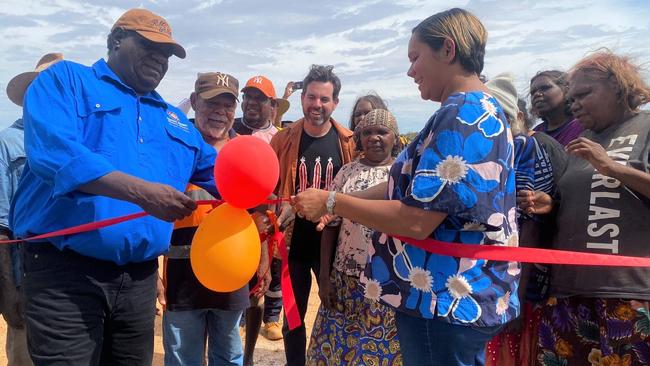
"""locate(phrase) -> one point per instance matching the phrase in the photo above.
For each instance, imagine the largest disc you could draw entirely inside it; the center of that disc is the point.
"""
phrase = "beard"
(215, 134)
(317, 121)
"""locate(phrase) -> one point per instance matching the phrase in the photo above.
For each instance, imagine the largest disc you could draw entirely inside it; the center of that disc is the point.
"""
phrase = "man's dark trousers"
(84, 311)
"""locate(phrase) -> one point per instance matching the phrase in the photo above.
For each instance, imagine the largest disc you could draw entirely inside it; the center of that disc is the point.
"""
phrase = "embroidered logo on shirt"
(173, 120)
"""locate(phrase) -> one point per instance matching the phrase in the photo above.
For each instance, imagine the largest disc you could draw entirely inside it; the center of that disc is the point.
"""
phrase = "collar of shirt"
(18, 124)
(103, 71)
(269, 125)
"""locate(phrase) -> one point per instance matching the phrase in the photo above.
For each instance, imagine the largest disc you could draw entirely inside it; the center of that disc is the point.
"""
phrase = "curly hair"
(323, 74)
(603, 64)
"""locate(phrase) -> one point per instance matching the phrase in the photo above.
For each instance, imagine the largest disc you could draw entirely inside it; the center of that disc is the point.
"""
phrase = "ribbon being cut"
(226, 249)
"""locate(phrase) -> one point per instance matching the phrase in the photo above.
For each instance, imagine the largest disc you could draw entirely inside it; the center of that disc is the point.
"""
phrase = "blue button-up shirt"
(82, 123)
(12, 161)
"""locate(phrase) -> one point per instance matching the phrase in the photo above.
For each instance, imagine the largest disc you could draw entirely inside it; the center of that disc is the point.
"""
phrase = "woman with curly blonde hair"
(600, 315)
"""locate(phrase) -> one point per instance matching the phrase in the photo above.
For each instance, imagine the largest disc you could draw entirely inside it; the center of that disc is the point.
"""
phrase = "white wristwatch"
(331, 202)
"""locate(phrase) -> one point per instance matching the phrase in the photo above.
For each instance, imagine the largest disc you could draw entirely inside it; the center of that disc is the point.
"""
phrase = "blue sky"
(365, 40)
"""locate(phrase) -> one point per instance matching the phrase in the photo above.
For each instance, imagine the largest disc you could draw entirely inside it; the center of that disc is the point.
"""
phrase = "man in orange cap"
(102, 143)
(12, 162)
(260, 105)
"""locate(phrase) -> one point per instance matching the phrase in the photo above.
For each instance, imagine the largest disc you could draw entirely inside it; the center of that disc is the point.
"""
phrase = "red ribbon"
(526, 255)
(278, 241)
(79, 229)
(473, 251)
(114, 221)
(288, 297)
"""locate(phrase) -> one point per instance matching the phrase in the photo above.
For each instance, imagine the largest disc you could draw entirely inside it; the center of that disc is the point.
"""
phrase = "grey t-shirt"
(598, 214)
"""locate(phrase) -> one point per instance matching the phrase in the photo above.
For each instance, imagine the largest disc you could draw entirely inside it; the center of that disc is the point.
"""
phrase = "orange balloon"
(225, 251)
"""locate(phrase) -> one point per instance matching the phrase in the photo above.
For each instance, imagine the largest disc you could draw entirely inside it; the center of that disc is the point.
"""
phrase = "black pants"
(85, 311)
(295, 341)
(273, 297)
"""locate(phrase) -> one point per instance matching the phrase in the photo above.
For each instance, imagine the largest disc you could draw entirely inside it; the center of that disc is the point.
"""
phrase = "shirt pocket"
(181, 152)
(101, 124)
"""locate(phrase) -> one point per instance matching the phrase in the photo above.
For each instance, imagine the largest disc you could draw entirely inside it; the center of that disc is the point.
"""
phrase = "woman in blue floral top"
(455, 183)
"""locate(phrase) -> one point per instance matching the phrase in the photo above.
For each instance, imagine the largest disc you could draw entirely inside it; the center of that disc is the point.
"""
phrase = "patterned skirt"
(594, 332)
(516, 345)
(358, 332)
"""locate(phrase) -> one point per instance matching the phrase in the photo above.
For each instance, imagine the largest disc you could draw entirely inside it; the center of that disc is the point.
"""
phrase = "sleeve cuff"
(80, 170)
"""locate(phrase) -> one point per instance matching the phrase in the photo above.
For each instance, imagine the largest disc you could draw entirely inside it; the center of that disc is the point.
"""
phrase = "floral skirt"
(594, 331)
(358, 332)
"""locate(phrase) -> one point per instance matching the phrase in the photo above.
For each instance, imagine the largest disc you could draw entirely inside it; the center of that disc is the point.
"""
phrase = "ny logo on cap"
(222, 79)
(257, 80)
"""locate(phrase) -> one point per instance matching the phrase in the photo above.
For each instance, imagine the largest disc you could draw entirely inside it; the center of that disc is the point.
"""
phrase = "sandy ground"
(267, 353)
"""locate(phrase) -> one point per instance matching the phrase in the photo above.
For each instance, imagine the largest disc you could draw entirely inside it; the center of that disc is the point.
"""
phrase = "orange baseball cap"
(151, 26)
(261, 83)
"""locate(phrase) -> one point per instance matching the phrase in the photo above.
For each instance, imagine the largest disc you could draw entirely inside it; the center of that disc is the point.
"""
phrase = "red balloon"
(246, 171)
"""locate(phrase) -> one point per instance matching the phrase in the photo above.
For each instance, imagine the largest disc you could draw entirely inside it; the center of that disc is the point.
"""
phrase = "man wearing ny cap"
(211, 100)
(12, 162)
(259, 106)
(102, 143)
(194, 313)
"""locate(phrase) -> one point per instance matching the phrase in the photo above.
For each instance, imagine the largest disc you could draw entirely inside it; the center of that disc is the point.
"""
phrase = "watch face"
(331, 199)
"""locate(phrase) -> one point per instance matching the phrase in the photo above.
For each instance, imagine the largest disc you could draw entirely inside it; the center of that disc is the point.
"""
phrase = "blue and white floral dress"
(461, 164)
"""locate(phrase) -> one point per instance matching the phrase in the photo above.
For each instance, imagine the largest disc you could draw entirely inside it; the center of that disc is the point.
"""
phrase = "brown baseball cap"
(210, 84)
(18, 85)
(151, 26)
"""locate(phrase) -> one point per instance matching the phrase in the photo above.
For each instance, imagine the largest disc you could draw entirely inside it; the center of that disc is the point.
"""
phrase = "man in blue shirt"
(102, 143)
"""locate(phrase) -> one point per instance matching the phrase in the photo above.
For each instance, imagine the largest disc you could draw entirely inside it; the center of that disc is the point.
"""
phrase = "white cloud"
(203, 5)
(366, 40)
(355, 9)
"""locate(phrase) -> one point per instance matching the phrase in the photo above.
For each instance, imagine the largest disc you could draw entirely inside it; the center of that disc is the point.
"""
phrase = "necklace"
(243, 122)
